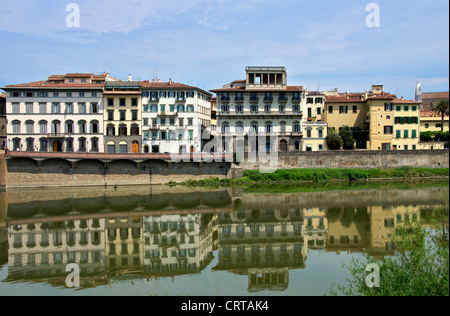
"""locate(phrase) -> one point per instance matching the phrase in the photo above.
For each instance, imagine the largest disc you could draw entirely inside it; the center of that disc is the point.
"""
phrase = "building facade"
(376, 118)
(61, 114)
(3, 122)
(122, 117)
(261, 106)
(174, 117)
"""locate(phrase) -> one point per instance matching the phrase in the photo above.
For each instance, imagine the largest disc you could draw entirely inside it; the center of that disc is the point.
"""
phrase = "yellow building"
(372, 117)
(123, 117)
(432, 122)
(406, 125)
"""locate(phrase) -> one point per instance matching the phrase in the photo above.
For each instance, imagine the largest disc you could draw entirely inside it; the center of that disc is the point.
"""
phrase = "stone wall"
(355, 159)
(57, 172)
(3, 172)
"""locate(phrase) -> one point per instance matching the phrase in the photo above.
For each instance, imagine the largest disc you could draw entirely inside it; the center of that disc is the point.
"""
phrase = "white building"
(61, 114)
(174, 116)
(263, 104)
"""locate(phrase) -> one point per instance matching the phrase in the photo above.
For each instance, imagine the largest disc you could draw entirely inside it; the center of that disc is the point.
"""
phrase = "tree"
(334, 141)
(441, 109)
(346, 134)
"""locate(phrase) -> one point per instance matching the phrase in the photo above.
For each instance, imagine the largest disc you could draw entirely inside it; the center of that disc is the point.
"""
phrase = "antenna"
(396, 87)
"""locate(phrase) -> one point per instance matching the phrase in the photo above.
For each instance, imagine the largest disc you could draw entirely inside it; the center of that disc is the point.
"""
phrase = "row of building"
(262, 244)
(102, 114)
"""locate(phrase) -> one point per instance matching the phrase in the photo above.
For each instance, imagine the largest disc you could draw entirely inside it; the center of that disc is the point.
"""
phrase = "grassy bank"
(327, 175)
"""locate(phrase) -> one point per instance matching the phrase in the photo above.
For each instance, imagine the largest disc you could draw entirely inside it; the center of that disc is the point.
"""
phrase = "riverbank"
(298, 176)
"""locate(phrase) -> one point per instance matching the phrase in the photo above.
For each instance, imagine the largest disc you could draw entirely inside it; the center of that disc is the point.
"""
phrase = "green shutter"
(414, 134)
(399, 134)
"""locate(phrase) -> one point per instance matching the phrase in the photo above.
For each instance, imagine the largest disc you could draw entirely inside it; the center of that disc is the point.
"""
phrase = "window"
(330, 109)
(239, 109)
(190, 121)
(254, 109)
(29, 108)
(82, 108)
(95, 127)
(69, 94)
(355, 109)
(282, 109)
(406, 134)
(388, 106)
(414, 134)
(69, 108)
(122, 115)
(94, 108)
(43, 127)
(308, 133)
(343, 109)
(310, 100)
(16, 108)
(398, 134)
(110, 115)
(134, 115)
(320, 134)
(56, 108)
(296, 128)
(110, 102)
(122, 102)
(388, 130)
(296, 109)
(69, 127)
(427, 125)
(406, 108)
(134, 102)
(42, 108)
(414, 108)
(81, 94)
(30, 127)
(82, 127)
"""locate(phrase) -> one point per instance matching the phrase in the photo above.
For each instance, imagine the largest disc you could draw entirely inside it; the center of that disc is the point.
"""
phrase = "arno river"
(169, 241)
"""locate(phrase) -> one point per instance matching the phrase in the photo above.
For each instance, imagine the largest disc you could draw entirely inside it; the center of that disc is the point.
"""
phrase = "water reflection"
(166, 232)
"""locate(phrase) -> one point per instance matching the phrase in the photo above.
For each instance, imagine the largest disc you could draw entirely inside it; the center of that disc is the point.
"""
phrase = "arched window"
(69, 127)
(95, 127)
(29, 126)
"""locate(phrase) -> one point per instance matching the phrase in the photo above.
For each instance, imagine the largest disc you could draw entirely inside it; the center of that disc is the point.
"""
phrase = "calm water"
(200, 242)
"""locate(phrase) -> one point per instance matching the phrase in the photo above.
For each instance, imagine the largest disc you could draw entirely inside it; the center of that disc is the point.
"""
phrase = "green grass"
(320, 176)
(323, 175)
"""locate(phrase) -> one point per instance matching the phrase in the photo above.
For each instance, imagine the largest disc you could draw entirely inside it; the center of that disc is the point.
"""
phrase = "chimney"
(130, 78)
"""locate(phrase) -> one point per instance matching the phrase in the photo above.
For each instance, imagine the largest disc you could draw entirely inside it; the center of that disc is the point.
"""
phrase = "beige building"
(374, 116)
(432, 122)
(263, 105)
(122, 117)
(61, 114)
(3, 122)
(406, 125)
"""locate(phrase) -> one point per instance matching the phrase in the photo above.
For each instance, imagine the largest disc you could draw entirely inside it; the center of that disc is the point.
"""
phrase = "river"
(192, 241)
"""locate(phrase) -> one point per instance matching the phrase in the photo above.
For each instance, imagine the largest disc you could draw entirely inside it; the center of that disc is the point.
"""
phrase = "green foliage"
(419, 266)
(334, 141)
(437, 136)
(346, 134)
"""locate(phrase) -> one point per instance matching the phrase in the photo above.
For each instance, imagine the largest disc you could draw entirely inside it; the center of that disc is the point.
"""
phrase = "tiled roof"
(430, 113)
(234, 89)
(435, 95)
(396, 101)
(46, 85)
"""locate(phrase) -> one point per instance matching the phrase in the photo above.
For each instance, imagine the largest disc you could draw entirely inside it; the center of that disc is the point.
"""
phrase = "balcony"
(268, 99)
(56, 135)
(225, 99)
(282, 99)
(296, 100)
(254, 99)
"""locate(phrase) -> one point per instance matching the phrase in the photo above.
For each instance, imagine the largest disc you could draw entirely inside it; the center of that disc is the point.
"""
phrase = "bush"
(347, 138)
(334, 141)
(419, 266)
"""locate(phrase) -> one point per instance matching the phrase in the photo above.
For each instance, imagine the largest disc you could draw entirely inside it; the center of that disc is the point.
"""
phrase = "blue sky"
(323, 44)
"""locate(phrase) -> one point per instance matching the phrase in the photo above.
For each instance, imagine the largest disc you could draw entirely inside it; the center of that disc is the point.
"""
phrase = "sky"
(324, 44)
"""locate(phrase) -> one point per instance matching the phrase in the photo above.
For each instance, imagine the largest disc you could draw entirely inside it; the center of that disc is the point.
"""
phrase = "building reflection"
(262, 238)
